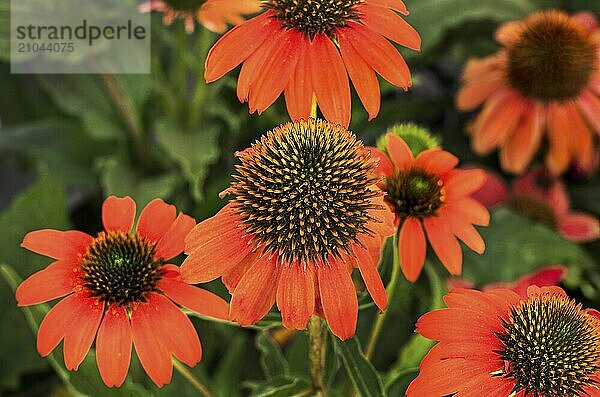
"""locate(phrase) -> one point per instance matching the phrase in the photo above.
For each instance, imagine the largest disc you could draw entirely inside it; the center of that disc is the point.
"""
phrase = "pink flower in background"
(543, 198)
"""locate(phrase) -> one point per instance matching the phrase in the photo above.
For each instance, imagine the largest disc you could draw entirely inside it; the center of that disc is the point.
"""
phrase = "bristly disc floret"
(312, 17)
(120, 268)
(552, 59)
(414, 192)
(551, 347)
(304, 191)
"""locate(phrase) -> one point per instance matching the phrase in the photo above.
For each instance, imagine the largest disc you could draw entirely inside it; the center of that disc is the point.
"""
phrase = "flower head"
(305, 212)
(307, 49)
(543, 198)
(545, 81)
(212, 14)
(499, 344)
(428, 193)
(119, 289)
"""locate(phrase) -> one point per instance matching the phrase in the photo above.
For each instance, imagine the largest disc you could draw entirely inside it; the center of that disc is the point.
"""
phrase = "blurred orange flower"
(428, 193)
(545, 82)
(497, 344)
(119, 290)
(212, 14)
(306, 212)
(307, 49)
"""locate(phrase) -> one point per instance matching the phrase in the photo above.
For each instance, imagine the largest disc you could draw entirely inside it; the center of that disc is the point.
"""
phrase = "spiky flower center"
(551, 347)
(120, 268)
(414, 192)
(304, 191)
(185, 5)
(553, 58)
(312, 17)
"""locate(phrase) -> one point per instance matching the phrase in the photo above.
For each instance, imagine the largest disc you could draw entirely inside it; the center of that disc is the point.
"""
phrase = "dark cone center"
(414, 193)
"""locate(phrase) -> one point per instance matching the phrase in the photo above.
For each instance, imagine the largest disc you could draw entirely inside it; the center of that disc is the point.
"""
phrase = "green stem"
(190, 377)
(390, 292)
(200, 89)
(316, 355)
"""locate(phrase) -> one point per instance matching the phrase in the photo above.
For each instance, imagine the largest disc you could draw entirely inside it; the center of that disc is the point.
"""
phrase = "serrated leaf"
(193, 151)
(271, 359)
(361, 372)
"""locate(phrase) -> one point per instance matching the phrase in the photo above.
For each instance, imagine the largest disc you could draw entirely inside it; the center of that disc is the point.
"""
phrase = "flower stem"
(316, 355)
(193, 379)
(390, 292)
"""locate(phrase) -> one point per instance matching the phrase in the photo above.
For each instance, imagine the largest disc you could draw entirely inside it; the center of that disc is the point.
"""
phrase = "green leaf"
(516, 246)
(119, 179)
(363, 375)
(228, 373)
(193, 151)
(282, 387)
(271, 360)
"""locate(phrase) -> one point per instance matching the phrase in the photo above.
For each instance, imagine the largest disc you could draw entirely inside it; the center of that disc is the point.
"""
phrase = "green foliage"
(271, 360)
(364, 377)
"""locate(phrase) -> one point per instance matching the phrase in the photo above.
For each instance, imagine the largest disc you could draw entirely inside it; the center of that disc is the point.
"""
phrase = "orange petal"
(250, 68)
(412, 248)
(173, 241)
(436, 161)
(379, 53)
(57, 244)
(579, 227)
(296, 295)
(82, 332)
(58, 279)
(276, 70)
(338, 298)
(463, 230)
(473, 94)
(460, 183)
(113, 346)
(590, 107)
(362, 75)
(522, 144)
(558, 156)
(299, 91)
(156, 218)
(385, 166)
(232, 277)
(471, 210)
(395, 5)
(237, 45)
(399, 151)
(118, 213)
(444, 244)
(255, 294)
(389, 24)
(193, 298)
(372, 279)
(147, 332)
(330, 80)
(581, 139)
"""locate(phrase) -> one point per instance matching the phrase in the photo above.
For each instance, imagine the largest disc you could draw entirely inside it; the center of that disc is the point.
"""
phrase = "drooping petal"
(296, 295)
(463, 229)
(521, 145)
(118, 214)
(581, 137)
(379, 53)
(232, 277)
(199, 300)
(460, 183)
(276, 71)
(237, 45)
(113, 346)
(362, 75)
(558, 154)
(436, 161)
(396, 5)
(338, 297)
(471, 210)
(389, 24)
(58, 279)
(590, 107)
(80, 334)
(173, 241)
(579, 227)
(473, 94)
(412, 248)
(444, 244)
(399, 151)
(299, 91)
(372, 279)
(255, 294)
(156, 218)
(330, 80)
(250, 68)
(57, 244)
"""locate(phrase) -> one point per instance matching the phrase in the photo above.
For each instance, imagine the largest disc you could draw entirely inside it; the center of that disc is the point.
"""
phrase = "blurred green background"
(68, 141)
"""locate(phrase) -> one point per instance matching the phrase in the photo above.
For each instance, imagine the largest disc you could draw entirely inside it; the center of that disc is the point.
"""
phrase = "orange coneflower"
(498, 344)
(428, 193)
(212, 14)
(544, 82)
(306, 212)
(307, 49)
(119, 289)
